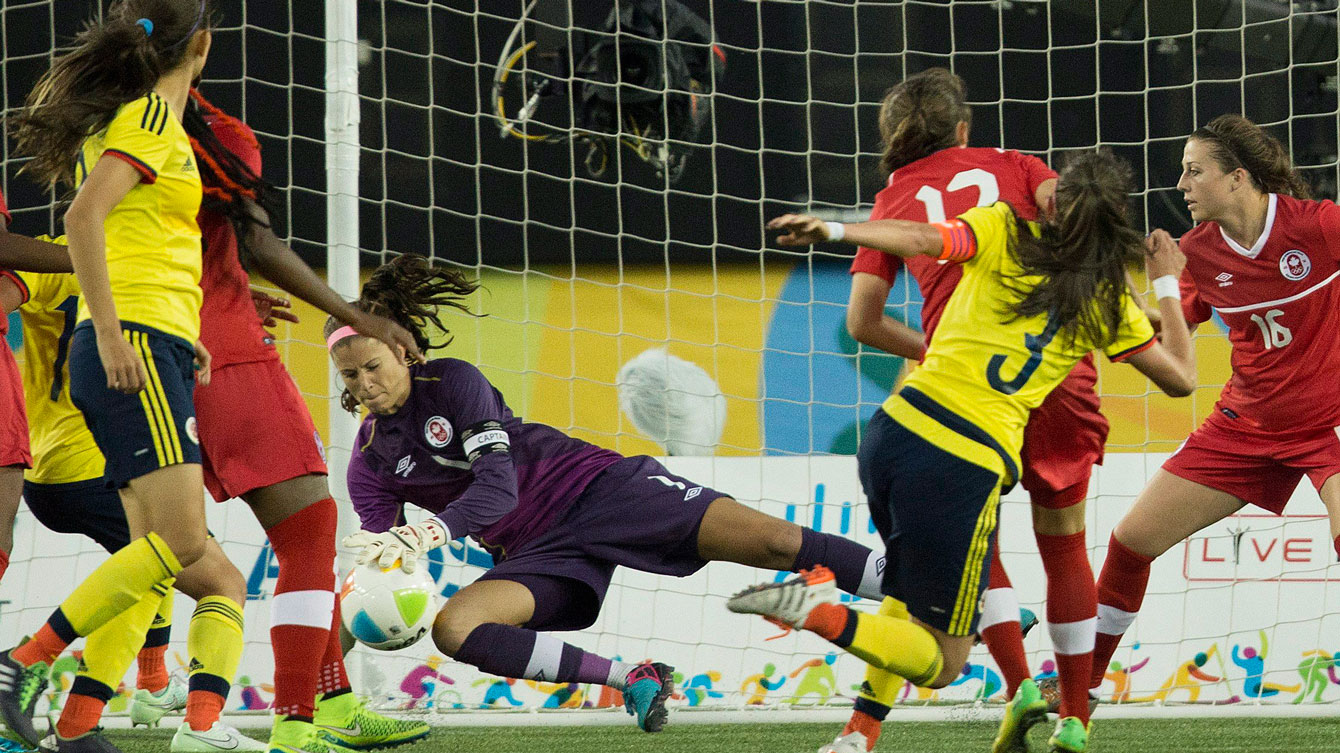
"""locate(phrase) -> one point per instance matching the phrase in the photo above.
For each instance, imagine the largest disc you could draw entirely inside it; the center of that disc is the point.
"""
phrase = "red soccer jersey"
(1279, 299)
(229, 325)
(4, 215)
(943, 185)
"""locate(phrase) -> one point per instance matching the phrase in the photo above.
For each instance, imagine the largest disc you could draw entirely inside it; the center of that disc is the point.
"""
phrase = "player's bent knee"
(946, 677)
(1137, 536)
(212, 574)
(187, 549)
(453, 626)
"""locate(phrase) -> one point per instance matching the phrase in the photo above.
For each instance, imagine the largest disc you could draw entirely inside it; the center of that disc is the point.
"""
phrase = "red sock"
(865, 724)
(45, 646)
(827, 621)
(1072, 608)
(4, 560)
(1002, 635)
(1337, 554)
(333, 677)
(1121, 590)
(304, 545)
(200, 705)
(153, 674)
(80, 713)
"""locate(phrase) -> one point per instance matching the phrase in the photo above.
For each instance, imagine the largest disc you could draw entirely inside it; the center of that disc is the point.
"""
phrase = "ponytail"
(110, 63)
(920, 116)
(1083, 252)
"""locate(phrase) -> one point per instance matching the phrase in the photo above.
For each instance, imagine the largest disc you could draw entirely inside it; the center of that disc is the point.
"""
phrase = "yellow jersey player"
(936, 457)
(65, 488)
(117, 137)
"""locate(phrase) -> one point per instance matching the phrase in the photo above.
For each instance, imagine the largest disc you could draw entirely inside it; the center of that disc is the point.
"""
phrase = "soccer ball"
(388, 609)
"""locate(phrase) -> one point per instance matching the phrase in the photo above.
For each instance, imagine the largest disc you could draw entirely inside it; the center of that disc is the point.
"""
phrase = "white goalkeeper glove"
(404, 543)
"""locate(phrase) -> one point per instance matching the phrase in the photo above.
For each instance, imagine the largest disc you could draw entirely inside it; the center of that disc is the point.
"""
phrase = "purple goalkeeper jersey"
(454, 448)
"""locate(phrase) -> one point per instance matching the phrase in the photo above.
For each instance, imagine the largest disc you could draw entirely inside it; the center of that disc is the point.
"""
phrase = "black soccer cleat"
(20, 687)
(89, 742)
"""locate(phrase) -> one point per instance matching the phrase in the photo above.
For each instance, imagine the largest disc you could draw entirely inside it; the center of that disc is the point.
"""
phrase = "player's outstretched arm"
(1170, 364)
(899, 237)
(24, 254)
(278, 263)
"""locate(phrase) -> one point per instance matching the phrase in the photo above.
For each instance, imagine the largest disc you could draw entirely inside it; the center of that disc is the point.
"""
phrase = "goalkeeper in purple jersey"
(558, 514)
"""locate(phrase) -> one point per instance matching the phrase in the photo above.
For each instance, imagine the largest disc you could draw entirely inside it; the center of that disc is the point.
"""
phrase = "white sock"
(873, 578)
(618, 678)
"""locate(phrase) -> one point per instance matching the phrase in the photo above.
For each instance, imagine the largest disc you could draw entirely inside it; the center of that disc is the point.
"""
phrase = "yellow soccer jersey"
(153, 241)
(63, 449)
(985, 368)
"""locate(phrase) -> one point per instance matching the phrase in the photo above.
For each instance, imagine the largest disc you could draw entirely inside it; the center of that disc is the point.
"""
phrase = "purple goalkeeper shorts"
(634, 514)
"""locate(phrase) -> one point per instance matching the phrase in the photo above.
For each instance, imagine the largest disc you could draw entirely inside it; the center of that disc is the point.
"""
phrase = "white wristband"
(836, 231)
(1167, 287)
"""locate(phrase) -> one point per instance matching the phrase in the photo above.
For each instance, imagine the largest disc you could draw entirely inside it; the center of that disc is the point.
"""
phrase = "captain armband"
(483, 438)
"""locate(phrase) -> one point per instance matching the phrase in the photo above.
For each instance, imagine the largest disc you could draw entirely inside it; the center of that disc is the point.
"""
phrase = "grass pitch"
(1236, 735)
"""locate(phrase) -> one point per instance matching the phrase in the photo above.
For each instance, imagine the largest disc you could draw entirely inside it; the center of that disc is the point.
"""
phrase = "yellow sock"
(109, 650)
(881, 685)
(214, 641)
(896, 645)
(163, 618)
(119, 583)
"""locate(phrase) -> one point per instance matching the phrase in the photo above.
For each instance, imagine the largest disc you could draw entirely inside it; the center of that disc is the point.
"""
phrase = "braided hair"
(229, 183)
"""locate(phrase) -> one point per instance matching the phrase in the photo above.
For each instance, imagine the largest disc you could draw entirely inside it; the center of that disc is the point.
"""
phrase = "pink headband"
(339, 335)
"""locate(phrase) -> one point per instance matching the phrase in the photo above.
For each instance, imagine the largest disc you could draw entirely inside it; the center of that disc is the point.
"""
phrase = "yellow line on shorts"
(157, 382)
(150, 410)
(969, 589)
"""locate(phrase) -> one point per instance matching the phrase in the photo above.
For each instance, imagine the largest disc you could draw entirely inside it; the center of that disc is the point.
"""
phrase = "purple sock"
(509, 651)
(859, 570)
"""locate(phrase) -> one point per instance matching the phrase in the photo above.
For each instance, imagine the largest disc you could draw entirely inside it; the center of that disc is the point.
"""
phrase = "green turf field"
(1257, 735)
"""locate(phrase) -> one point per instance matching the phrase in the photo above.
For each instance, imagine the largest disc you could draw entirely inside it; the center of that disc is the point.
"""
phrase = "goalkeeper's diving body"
(557, 514)
(935, 459)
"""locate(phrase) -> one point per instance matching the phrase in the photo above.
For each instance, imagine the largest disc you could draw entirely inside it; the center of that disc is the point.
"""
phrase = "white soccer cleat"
(148, 708)
(216, 739)
(852, 742)
(789, 603)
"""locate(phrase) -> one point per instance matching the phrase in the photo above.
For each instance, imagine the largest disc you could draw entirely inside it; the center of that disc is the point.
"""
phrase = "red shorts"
(255, 430)
(1256, 467)
(1064, 438)
(13, 417)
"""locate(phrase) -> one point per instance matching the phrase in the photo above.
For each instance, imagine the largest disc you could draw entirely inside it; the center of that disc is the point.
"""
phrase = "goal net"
(609, 187)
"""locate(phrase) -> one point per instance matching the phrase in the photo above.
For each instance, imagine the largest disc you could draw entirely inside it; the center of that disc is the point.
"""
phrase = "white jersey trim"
(1280, 301)
(1260, 242)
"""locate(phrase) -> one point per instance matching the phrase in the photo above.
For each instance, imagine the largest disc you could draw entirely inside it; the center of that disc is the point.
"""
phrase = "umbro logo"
(1224, 279)
(690, 494)
(405, 466)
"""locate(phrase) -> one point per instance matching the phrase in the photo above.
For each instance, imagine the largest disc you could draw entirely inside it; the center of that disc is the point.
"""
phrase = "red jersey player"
(14, 454)
(934, 175)
(1267, 260)
(282, 478)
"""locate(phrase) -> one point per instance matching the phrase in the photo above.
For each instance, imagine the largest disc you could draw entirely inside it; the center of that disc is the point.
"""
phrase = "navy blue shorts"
(634, 514)
(152, 429)
(89, 507)
(936, 512)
